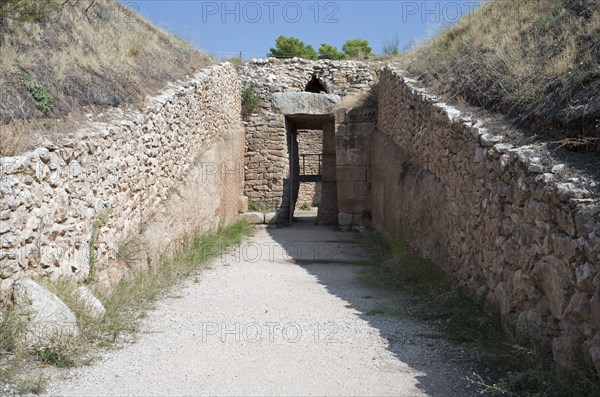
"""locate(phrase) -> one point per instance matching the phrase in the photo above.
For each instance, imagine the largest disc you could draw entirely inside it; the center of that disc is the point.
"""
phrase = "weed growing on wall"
(99, 220)
(132, 250)
(250, 99)
(305, 206)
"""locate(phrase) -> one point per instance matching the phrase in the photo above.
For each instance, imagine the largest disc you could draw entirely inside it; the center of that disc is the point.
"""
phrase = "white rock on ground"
(47, 315)
(92, 304)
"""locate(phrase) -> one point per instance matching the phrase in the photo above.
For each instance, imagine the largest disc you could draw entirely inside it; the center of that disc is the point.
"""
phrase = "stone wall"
(124, 193)
(353, 133)
(267, 157)
(309, 142)
(505, 222)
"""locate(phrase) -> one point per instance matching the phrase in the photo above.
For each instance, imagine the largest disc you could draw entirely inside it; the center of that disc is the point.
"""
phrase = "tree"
(327, 51)
(287, 47)
(357, 48)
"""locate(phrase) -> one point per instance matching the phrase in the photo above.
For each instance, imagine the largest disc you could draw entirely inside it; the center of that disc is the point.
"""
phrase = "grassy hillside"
(536, 60)
(70, 57)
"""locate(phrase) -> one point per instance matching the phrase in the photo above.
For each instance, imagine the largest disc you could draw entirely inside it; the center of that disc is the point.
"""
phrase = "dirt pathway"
(283, 314)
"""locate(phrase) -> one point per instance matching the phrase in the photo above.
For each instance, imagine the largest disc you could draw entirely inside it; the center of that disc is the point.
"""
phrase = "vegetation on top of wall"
(250, 98)
(537, 61)
(305, 206)
(63, 59)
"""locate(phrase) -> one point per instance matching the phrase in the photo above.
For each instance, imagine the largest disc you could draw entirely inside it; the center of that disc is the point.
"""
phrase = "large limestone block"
(355, 129)
(353, 197)
(288, 103)
(254, 218)
(345, 219)
(352, 173)
(47, 315)
(553, 278)
(243, 204)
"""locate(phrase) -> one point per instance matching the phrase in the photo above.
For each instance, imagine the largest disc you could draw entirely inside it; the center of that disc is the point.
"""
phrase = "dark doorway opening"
(314, 85)
(310, 170)
(311, 147)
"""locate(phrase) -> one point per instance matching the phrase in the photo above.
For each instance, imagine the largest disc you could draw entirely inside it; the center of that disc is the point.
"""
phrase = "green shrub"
(100, 219)
(60, 352)
(250, 99)
(260, 205)
(591, 75)
(35, 385)
(40, 93)
(305, 206)
(12, 325)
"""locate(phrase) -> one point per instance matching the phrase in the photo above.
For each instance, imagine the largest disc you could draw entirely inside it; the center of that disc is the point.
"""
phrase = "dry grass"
(15, 138)
(89, 55)
(538, 61)
(21, 135)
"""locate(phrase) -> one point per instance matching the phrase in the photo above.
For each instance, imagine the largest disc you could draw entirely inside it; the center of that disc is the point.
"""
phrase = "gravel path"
(283, 314)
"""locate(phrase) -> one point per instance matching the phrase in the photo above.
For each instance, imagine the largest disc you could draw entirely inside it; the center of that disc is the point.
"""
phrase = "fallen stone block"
(254, 218)
(47, 316)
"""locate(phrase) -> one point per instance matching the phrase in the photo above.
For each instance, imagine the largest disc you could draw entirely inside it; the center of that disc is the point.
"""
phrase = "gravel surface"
(283, 314)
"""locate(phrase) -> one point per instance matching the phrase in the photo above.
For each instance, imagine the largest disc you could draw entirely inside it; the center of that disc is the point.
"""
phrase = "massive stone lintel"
(288, 103)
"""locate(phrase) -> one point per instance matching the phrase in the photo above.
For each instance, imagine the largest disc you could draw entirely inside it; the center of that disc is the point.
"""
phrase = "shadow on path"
(327, 254)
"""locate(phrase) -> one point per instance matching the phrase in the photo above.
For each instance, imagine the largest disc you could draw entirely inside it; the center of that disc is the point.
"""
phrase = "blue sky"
(224, 28)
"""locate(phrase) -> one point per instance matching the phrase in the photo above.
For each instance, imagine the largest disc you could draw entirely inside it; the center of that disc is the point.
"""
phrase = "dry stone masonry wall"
(503, 220)
(125, 192)
(267, 158)
(514, 229)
